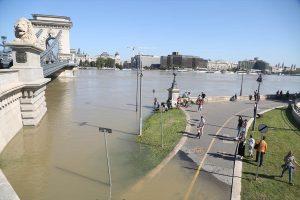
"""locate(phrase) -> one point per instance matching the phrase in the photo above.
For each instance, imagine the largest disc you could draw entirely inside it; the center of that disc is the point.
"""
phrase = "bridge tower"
(48, 27)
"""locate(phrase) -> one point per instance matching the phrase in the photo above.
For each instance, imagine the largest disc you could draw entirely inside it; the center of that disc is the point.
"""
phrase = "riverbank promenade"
(203, 167)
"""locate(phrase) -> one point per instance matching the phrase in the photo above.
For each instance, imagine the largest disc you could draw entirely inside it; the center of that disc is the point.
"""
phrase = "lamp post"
(241, 91)
(107, 131)
(259, 81)
(161, 126)
(140, 110)
(3, 38)
(137, 85)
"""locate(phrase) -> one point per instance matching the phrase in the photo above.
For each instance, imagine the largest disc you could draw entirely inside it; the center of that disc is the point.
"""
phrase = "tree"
(100, 62)
(86, 63)
(93, 64)
(110, 63)
(80, 63)
(261, 65)
(119, 66)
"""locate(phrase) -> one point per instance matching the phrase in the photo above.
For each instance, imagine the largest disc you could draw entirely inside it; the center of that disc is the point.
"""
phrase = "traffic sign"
(262, 128)
(105, 130)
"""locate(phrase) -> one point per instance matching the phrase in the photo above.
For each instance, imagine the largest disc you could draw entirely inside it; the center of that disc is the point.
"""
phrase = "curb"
(165, 161)
(6, 190)
(238, 164)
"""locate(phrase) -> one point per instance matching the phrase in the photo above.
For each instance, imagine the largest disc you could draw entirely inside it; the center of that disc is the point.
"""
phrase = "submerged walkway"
(203, 168)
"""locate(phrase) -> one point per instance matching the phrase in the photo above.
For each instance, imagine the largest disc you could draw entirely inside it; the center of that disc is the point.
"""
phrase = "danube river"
(64, 156)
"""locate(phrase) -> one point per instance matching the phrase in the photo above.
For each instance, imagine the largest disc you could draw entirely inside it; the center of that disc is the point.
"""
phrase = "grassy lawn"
(284, 136)
(174, 123)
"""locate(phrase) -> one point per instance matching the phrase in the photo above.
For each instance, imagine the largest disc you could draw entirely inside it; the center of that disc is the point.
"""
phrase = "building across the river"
(146, 61)
(220, 65)
(78, 56)
(247, 64)
(116, 57)
(175, 60)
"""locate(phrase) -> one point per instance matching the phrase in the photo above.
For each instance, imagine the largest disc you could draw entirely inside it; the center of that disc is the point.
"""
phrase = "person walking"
(200, 104)
(289, 164)
(240, 124)
(261, 151)
(200, 127)
(251, 143)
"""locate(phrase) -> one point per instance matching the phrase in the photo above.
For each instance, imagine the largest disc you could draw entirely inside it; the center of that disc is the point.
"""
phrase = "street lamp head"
(3, 38)
(259, 79)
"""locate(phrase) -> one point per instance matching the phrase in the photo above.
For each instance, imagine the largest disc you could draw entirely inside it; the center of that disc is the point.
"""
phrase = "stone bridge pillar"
(26, 59)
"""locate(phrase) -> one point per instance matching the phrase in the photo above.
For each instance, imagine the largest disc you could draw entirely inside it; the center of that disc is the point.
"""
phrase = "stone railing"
(227, 98)
(296, 110)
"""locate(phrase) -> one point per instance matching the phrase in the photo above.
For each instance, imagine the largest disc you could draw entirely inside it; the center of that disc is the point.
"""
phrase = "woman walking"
(289, 164)
(200, 127)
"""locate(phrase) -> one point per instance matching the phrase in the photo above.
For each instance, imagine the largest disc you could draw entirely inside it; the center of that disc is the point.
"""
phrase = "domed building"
(117, 58)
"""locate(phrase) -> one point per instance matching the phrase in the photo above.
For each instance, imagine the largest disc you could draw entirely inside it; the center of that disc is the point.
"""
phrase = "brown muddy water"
(64, 156)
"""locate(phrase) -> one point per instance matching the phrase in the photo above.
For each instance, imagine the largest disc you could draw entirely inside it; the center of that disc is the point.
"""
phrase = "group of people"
(256, 96)
(163, 106)
(279, 94)
(233, 98)
(261, 147)
(185, 100)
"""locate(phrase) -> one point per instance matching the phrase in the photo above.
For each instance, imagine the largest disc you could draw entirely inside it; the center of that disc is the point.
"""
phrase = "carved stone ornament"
(21, 57)
(24, 33)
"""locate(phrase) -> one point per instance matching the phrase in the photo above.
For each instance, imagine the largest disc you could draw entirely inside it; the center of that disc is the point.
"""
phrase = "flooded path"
(64, 157)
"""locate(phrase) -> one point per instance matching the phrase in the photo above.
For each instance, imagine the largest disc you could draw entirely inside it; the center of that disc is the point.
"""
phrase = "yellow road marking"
(187, 194)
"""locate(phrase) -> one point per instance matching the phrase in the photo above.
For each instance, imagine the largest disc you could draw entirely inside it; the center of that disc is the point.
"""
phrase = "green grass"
(285, 136)
(174, 123)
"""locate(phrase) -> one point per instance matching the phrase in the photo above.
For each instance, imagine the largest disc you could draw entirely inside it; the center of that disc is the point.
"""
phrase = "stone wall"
(10, 113)
(10, 121)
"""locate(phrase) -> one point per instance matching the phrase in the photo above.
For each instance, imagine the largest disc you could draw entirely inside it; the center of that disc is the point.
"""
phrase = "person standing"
(203, 95)
(289, 164)
(251, 143)
(198, 102)
(261, 151)
(241, 147)
(200, 127)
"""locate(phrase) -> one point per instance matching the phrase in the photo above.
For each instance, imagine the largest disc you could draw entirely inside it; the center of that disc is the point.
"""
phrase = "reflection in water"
(64, 158)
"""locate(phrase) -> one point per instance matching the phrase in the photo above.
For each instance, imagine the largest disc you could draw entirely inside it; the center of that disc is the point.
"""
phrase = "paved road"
(203, 168)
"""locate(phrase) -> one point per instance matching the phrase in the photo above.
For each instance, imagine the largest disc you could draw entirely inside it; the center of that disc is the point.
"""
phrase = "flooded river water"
(64, 156)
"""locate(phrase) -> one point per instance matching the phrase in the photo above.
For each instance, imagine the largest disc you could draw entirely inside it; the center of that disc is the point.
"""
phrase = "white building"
(145, 61)
(220, 65)
(77, 56)
(106, 55)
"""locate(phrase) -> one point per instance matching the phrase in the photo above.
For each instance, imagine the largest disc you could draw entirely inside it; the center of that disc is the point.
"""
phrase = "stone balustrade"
(296, 110)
